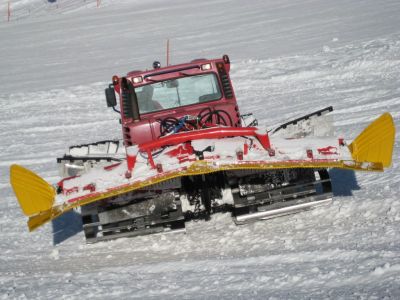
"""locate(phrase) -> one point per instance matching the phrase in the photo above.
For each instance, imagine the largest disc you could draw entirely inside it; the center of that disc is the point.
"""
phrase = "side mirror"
(110, 96)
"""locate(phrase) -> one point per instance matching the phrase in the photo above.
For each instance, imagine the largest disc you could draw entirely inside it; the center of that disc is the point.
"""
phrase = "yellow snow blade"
(375, 143)
(34, 194)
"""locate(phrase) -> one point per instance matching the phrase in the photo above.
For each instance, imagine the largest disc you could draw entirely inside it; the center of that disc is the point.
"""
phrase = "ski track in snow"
(284, 64)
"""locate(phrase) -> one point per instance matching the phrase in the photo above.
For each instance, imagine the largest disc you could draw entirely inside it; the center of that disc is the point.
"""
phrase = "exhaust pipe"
(129, 100)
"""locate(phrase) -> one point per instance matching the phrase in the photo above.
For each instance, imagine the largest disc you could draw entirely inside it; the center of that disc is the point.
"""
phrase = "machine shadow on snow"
(344, 182)
(66, 226)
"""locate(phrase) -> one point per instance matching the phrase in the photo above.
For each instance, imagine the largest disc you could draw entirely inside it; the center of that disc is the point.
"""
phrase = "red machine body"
(147, 127)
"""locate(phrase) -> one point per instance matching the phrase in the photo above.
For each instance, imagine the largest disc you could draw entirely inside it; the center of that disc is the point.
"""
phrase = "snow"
(288, 58)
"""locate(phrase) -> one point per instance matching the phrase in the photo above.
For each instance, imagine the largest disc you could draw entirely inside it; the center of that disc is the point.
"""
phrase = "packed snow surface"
(288, 58)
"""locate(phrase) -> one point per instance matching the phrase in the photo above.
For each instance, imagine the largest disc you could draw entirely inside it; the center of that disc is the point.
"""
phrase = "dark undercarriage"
(164, 208)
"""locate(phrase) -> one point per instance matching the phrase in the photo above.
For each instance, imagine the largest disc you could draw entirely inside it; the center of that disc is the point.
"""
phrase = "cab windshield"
(178, 92)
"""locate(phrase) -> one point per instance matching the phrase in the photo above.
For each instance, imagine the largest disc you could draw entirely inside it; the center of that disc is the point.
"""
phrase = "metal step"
(162, 213)
(136, 226)
(96, 224)
(289, 207)
(262, 204)
(279, 193)
(145, 231)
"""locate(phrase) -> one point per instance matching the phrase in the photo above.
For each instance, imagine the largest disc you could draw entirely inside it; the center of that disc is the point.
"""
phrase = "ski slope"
(288, 58)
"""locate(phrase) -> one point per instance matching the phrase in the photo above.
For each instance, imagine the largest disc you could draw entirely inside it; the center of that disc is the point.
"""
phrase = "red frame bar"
(209, 133)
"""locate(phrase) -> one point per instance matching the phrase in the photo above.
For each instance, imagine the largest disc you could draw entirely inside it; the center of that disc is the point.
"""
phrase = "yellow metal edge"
(198, 168)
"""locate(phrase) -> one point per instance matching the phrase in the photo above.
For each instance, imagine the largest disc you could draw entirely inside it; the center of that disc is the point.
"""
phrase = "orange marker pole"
(9, 12)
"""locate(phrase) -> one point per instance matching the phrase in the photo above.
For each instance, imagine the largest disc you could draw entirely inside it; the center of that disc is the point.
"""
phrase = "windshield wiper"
(153, 80)
(184, 74)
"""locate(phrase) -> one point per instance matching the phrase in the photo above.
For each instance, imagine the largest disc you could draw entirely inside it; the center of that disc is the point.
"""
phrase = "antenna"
(167, 52)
